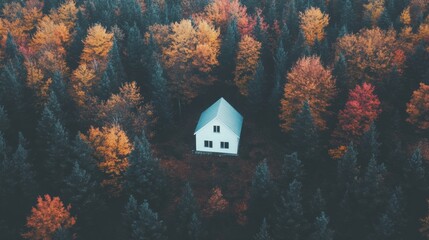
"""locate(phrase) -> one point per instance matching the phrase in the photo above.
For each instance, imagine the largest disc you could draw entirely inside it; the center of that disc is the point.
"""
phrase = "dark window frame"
(216, 128)
(224, 145)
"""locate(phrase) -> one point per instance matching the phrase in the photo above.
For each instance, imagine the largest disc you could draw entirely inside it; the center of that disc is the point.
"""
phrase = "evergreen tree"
(118, 72)
(292, 169)
(369, 146)
(318, 203)
(58, 87)
(228, 50)
(4, 120)
(130, 215)
(53, 105)
(130, 12)
(152, 13)
(279, 72)
(62, 234)
(261, 194)
(134, 47)
(263, 232)
(321, 229)
(414, 171)
(160, 94)
(145, 177)
(392, 222)
(384, 22)
(305, 137)
(53, 148)
(187, 215)
(256, 89)
(194, 231)
(147, 226)
(347, 17)
(82, 152)
(289, 216)
(347, 169)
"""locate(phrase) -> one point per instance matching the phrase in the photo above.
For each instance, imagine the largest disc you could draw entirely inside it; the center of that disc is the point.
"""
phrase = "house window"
(224, 145)
(216, 129)
(208, 144)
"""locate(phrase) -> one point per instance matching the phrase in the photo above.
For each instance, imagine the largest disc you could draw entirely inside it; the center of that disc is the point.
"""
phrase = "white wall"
(225, 135)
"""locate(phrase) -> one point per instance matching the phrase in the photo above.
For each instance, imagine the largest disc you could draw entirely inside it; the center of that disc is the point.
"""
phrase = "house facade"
(219, 129)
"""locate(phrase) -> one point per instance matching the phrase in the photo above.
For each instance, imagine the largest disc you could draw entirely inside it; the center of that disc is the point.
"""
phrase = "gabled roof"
(225, 113)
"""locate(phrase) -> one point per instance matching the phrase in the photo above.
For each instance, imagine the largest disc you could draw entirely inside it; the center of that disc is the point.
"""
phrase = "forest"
(99, 100)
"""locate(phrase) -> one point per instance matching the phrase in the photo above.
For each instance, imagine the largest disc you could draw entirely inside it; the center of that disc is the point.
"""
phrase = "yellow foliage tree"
(66, 14)
(247, 60)
(189, 56)
(370, 54)
(308, 81)
(418, 107)
(373, 10)
(313, 23)
(112, 147)
(36, 80)
(97, 45)
(82, 82)
(406, 17)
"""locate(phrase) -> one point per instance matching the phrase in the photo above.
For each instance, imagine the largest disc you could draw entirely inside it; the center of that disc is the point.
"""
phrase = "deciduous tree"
(417, 107)
(313, 23)
(246, 63)
(216, 203)
(307, 81)
(97, 45)
(47, 217)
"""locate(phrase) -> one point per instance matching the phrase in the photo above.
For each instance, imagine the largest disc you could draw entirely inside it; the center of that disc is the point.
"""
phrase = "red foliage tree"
(362, 108)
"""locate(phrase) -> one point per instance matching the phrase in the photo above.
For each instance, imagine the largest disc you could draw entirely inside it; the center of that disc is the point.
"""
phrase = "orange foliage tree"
(247, 59)
(129, 110)
(373, 10)
(370, 54)
(361, 110)
(216, 203)
(308, 81)
(112, 147)
(418, 107)
(82, 82)
(47, 217)
(220, 12)
(313, 23)
(189, 56)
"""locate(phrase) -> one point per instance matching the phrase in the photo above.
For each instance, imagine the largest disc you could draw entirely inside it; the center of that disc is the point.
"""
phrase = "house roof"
(225, 113)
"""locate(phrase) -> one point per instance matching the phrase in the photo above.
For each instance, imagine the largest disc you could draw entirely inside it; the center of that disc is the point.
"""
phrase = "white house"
(218, 129)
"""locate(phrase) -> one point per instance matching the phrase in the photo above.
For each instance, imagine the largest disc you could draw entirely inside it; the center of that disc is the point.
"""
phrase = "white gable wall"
(225, 135)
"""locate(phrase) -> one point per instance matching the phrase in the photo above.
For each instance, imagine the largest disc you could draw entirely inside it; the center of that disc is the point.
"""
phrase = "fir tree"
(130, 12)
(261, 194)
(161, 96)
(228, 50)
(134, 47)
(187, 214)
(130, 215)
(289, 216)
(318, 203)
(4, 120)
(369, 146)
(147, 225)
(145, 177)
(292, 169)
(392, 222)
(414, 171)
(347, 169)
(347, 14)
(263, 232)
(62, 234)
(384, 21)
(279, 72)
(256, 89)
(304, 137)
(152, 13)
(321, 229)
(83, 154)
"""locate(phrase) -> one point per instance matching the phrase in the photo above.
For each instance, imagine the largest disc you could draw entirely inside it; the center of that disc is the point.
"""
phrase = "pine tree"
(130, 215)
(147, 225)
(62, 234)
(384, 22)
(131, 12)
(261, 194)
(152, 13)
(82, 152)
(292, 169)
(369, 146)
(263, 232)
(318, 203)
(54, 106)
(305, 137)
(280, 67)
(118, 76)
(347, 169)
(321, 229)
(58, 86)
(53, 148)
(145, 177)
(161, 97)
(256, 89)
(228, 50)
(392, 222)
(187, 214)
(413, 170)
(347, 18)
(4, 120)
(134, 47)
(289, 216)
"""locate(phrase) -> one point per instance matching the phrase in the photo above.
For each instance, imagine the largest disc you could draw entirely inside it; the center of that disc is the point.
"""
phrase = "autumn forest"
(99, 100)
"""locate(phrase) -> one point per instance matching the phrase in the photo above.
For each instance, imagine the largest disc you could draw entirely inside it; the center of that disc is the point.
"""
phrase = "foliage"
(47, 217)
(418, 112)
(307, 81)
(246, 62)
(313, 23)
